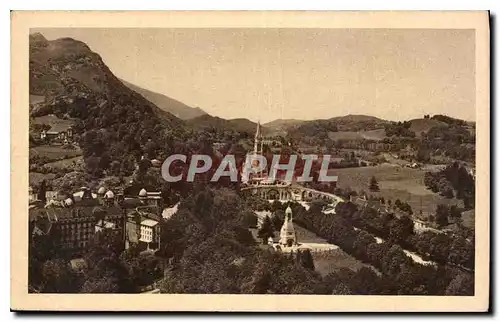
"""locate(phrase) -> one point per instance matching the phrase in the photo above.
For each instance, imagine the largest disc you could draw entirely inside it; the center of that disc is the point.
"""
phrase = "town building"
(150, 233)
(73, 219)
(73, 227)
(57, 134)
(145, 209)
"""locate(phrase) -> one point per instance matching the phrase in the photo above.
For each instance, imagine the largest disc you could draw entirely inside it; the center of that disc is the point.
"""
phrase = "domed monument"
(287, 234)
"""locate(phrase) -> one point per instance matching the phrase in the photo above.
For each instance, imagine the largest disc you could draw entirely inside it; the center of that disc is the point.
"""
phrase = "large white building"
(149, 231)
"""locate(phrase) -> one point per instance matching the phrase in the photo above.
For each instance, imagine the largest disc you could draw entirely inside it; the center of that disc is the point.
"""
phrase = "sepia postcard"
(250, 161)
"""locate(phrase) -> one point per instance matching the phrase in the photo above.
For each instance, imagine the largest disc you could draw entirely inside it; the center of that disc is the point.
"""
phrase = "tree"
(455, 213)
(58, 277)
(401, 228)
(442, 213)
(374, 185)
(42, 191)
(278, 219)
(462, 284)
(423, 155)
(266, 230)
(305, 259)
(103, 285)
(250, 219)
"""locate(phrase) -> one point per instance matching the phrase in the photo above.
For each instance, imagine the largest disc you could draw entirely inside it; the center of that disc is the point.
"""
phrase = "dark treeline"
(435, 246)
(400, 129)
(453, 141)
(448, 120)
(107, 267)
(400, 274)
(453, 181)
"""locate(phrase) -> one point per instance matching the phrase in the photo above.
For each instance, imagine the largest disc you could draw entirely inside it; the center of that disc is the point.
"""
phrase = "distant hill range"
(166, 103)
(355, 127)
(348, 123)
(208, 122)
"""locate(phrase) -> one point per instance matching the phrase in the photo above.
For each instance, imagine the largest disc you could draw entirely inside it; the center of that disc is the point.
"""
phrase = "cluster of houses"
(133, 214)
(60, 131)
(57, 134)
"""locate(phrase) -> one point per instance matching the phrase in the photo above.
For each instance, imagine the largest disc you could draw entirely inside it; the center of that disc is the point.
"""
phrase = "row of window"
(87, 235)
(86, 225)
(70, 245)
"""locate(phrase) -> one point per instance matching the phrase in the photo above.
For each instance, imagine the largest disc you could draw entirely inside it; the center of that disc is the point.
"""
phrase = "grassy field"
(333, 260)
(75, 163)
(53, 121)
(327, 261)
(305, 236)
(58, 158)
(54, 153)
(348, 135)
(395, 182)
(468, 218)
(36, 178)
(35, 99)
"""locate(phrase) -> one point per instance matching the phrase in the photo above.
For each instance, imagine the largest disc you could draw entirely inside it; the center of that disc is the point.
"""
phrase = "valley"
(398, 220)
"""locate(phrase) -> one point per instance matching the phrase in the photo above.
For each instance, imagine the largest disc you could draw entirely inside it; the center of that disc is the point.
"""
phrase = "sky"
(267, 74)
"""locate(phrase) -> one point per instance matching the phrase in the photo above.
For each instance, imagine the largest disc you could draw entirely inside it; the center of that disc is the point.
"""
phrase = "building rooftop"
(56, 214)
(78, 264)
(104, 224)
(149, 223)
(133, 190)
(81, 194)
(169, 212)
(131, 203)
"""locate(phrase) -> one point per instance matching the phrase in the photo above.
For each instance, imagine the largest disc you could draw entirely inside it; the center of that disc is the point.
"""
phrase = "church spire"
(258, 134)
(258, 140)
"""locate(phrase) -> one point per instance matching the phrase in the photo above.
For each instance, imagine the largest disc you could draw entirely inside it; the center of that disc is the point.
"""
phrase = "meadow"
(358, 135)
(395, 182)
(54, 152)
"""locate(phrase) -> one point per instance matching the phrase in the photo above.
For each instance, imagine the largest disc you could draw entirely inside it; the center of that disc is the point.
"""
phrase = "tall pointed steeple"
(257, 140)
(257, 132)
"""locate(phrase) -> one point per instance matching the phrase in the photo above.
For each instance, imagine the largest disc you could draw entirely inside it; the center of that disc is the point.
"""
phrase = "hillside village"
(399, 220)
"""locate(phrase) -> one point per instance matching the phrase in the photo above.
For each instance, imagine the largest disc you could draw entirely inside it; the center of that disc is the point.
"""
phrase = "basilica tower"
(257, 145)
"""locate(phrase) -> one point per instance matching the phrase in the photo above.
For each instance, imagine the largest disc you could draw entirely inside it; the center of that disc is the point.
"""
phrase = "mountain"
(67, 67)
(114, 124)
(207, 122)
(166, 103)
